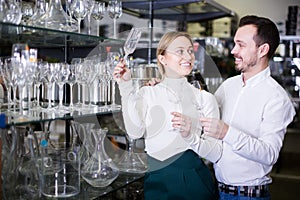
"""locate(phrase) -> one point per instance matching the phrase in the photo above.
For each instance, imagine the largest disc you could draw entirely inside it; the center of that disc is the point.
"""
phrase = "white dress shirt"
(258, 113)
(147, 113)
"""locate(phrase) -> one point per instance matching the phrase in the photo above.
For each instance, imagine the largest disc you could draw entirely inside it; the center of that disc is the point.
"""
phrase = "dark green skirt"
(184, 176)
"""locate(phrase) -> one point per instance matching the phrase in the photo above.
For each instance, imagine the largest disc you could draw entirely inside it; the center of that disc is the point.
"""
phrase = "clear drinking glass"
(80, 80)
(3, 9)
(49, 77)
(62, 78)
(38, 80)
(30, 75)
(27, 9)
(98, 14)
(90, 7)
(71, 81)
(69, 8)
(6, 79)
(198, 105)
(9, 64)
(105, 77)
(80, 10)
(114, 11)
(132, 41)
(112, 60)
(20, 69)
(13, 14)
(90, 69)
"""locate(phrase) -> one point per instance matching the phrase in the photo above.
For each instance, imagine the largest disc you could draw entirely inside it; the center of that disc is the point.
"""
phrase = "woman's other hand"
(183, 123)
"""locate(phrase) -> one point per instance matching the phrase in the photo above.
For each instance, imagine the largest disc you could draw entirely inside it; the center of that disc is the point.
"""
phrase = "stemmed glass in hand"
(115, 11)
(199, 106)
(98, 14)
(132, 41)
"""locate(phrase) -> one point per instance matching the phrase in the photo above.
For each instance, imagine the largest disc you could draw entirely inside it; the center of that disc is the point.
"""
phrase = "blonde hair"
(164, 43)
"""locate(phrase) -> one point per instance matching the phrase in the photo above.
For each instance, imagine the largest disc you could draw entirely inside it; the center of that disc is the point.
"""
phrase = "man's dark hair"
(267, 32)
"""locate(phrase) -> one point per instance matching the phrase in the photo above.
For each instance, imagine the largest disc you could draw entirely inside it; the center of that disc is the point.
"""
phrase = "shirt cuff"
(125, 87)
(232, 135)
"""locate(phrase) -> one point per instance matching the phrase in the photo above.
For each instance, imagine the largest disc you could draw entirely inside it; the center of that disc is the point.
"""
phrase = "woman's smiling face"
(179, 58)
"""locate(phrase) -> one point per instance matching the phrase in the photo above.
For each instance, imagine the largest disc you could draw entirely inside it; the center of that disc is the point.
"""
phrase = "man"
(255, 111)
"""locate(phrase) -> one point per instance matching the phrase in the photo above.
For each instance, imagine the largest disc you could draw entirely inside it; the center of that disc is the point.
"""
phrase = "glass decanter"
(56, 18)
(39, 11)
(100, 170)
(131, 161)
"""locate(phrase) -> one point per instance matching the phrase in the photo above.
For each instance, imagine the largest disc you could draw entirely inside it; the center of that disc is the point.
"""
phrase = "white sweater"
(147, 113)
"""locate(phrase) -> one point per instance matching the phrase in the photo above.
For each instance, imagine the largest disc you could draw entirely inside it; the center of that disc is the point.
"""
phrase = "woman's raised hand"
(122, 72)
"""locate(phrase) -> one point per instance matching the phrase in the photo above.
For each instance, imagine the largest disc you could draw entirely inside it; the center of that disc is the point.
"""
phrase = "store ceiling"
(178, 10)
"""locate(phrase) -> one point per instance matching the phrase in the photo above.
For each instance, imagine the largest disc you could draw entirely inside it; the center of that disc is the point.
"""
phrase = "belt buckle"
(253, 191)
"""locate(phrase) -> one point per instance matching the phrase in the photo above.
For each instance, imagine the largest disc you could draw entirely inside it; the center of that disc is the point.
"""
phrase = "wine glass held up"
(132, 41)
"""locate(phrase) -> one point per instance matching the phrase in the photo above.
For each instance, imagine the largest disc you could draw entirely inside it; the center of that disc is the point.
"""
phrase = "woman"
(167, 116)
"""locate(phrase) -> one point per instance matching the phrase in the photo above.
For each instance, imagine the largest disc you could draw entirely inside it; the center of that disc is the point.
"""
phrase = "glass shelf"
(42, 38)
(36, 36)
(123, 180)
(43, 116)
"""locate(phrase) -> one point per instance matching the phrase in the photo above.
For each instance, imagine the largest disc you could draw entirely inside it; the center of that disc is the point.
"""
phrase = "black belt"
(247, 191)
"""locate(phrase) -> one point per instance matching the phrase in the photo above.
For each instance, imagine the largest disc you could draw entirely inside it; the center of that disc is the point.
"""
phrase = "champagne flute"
(90, 6)
(71, 81)
(115, 11)
(132, 41)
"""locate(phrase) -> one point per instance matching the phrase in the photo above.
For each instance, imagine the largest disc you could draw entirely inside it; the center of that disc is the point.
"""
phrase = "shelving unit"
(62, 47)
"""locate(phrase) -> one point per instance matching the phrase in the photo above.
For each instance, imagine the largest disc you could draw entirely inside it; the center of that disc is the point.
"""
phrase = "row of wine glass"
(29, 78)
(55, 15)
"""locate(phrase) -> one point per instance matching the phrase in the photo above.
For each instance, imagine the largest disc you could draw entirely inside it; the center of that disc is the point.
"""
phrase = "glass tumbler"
(59, 171)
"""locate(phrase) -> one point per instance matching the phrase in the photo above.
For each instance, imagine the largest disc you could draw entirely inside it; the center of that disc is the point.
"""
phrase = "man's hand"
(153, 82)
(214, 127)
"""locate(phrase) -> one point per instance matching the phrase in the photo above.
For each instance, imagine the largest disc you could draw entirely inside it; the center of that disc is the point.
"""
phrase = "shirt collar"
(257, 78)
